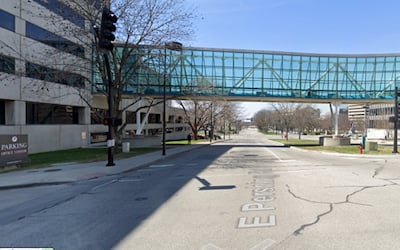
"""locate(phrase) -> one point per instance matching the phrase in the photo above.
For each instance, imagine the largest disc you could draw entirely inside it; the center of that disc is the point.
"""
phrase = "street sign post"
(13, 149)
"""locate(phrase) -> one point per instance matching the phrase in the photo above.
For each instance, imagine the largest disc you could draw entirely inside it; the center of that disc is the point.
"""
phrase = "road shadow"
(103, 217)
(208, 186)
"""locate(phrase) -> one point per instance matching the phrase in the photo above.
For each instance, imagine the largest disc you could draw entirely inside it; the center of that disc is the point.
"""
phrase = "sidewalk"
(72, 172)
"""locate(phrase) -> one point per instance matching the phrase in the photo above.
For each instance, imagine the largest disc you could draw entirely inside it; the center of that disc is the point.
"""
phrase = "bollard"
(360, 148)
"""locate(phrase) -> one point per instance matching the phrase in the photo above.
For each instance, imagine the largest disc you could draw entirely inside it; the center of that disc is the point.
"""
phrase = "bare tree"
(196, 114)
(226, 115)
(207, 114)
(143, 28)
(286, 116)
(344, 124)
(263, 119)
(306, 118)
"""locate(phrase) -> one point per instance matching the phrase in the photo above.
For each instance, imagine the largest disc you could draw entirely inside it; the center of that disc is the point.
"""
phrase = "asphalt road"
(245, 193)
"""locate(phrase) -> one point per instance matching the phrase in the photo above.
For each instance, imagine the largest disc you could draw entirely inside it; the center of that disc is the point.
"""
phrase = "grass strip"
(351, 149)
(46, 159)
(185, 142)
(296, 142)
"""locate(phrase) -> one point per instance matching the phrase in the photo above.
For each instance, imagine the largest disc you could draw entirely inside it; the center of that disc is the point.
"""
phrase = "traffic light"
(108, 20)
(106, 121)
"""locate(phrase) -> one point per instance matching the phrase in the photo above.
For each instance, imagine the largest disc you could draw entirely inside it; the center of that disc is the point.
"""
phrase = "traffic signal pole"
(110, 99)
(106, 36)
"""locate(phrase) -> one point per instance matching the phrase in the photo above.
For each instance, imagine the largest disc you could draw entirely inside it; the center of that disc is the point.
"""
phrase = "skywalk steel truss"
(268, 76)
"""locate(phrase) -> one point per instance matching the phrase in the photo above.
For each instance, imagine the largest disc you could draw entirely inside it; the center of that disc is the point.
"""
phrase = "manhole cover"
(52, 170)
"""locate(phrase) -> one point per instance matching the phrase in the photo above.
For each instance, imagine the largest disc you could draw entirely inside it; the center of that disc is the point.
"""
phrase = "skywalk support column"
(337, 104)
(336, 140)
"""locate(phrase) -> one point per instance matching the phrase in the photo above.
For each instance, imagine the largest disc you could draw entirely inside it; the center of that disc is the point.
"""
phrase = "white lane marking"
(287, 160)
(222, 175)
(161, 166)
(260, 246)
(263, 245)
(146, 170)
(297, 170)
(210, 246)
(275, 155)
(103, 185)
(129, 180)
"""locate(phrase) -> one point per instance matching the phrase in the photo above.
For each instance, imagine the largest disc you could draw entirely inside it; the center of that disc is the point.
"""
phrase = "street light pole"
(164, 126)
(177, 46)
(396, 119)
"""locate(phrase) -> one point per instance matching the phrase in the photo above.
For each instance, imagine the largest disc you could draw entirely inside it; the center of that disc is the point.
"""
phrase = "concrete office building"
(358, 116)
(374, 116)
(43, 70)
(372, 119)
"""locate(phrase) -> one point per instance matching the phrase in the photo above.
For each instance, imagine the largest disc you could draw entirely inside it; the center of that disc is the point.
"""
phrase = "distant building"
(358, 116)
(374, 117)
(379, 115)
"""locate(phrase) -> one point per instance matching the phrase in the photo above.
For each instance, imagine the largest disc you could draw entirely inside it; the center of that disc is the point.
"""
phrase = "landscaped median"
(351, 149)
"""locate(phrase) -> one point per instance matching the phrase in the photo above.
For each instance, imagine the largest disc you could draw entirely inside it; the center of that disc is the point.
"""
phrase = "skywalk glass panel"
(242, 75)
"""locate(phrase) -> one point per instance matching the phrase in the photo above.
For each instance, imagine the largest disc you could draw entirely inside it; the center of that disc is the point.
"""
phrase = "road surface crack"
(302, 227)
(57, 203)
(347, 200)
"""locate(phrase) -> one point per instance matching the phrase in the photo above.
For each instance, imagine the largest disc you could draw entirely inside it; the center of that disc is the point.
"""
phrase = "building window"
(52, 75)
(2, 112)
(154, 118)
(64, 11)
(97, 115)
(130, 117)
(41, 113)
(154, 131)
(179, 119)
(7, 21)
(7, 64)
(55, 41)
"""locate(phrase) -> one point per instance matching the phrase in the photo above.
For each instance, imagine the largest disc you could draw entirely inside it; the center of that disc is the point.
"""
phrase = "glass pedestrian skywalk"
(266, 76)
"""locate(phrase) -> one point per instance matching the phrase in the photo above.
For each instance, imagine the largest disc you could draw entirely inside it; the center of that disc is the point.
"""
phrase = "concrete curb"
(347, 155)
(91, 170)
(36, 184)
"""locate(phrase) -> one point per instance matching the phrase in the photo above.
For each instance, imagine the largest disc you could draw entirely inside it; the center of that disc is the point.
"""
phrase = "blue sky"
(314, 26)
